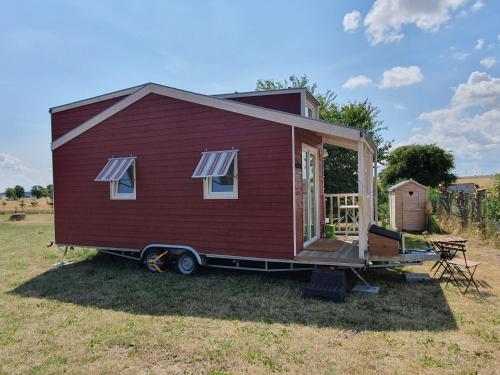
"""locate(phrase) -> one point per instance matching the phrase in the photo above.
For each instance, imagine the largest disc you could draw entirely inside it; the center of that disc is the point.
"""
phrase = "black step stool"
(330, 285)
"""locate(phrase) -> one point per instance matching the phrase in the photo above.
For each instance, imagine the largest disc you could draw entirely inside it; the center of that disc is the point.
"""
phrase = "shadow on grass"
(108, 282)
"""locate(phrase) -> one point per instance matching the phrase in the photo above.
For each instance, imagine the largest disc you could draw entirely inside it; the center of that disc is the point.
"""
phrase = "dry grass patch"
(107, 315)
(42, 205)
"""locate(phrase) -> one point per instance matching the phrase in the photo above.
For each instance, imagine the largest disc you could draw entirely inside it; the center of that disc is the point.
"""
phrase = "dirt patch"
(31, 218)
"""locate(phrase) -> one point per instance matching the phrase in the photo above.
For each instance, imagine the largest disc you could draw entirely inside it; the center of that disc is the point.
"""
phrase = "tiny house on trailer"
(163, 175)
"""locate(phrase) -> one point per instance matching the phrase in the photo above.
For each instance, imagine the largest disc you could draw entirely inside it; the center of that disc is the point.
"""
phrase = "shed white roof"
(403, 183)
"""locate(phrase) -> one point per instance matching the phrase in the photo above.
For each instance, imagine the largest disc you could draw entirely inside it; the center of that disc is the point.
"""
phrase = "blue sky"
(431, 67)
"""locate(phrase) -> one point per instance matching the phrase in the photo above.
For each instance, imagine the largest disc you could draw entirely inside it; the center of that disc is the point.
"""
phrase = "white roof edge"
(219, 103)
(245, 94)
(403, 183)
(95, 99)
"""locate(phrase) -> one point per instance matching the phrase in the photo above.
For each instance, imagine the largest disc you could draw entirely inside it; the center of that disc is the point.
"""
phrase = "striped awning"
(214, 163)
(114, 169)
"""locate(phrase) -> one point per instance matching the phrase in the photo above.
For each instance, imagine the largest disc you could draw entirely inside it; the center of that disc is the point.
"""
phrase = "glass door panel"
(310, 194)
(305, 200)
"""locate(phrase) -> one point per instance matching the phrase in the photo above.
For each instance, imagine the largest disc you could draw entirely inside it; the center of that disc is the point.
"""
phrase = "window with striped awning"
(114, 169)
(214, 163)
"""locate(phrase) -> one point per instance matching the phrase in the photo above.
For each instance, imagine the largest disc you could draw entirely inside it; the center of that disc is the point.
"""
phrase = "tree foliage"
(19, 191)
(50, 191)
(341, 169)
(10, 193)
(38, 191)
(430, 165)
(292, 81)
(493, 200)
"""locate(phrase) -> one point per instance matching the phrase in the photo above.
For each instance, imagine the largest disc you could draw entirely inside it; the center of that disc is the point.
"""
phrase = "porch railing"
(342, 210)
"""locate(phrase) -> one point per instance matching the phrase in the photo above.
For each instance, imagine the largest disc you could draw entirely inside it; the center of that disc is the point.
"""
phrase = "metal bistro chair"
(459, 266)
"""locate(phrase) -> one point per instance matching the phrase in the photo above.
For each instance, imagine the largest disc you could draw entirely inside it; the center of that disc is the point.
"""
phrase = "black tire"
(154, 261)
(187, 264)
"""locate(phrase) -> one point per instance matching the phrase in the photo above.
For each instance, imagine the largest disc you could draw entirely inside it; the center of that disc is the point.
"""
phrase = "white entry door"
(310, 195)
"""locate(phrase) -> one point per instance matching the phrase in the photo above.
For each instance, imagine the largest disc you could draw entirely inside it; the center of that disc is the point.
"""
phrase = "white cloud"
(399, 107)
(488, 62)
(386, 18)
(13, 171)
(357, 81)
(477, 5)
(460, 55)
(479, 44)
(469, 126)
(351, 21)
(480, 90)
(10, 163)
(401, 76)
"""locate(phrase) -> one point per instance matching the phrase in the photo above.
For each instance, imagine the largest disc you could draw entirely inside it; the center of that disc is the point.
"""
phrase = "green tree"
(10, 193)
(38, 191)
(292, 81)
(430, 165)
(341, 165)
(50, 191)
(19, 191)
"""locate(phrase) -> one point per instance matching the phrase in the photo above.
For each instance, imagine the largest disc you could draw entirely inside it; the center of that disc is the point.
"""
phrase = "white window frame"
(113, 189)
(207, 186)
(308, 107)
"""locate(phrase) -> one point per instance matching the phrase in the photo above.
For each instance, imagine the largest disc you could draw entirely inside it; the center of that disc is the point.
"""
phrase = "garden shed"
(407, 201)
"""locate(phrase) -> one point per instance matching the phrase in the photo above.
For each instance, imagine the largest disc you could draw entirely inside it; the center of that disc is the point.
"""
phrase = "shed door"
(411, 209)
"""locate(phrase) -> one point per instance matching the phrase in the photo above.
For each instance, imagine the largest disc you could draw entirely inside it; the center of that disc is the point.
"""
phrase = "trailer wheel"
(187, 263)
(156, 260)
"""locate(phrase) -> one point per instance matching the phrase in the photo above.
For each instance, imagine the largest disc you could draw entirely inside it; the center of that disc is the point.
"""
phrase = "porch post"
(375, 189)
(363, 236)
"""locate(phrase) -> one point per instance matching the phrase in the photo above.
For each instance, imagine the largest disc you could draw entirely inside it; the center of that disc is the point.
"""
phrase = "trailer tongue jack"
(365, 286)
(63, 263)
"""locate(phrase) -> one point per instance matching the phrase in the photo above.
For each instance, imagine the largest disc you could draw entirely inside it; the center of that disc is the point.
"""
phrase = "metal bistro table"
(446, 246)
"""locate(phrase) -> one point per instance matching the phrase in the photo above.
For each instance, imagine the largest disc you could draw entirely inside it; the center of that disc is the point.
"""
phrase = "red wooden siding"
(64, 121)
(311, 139)
(167, 136)
(282, 102)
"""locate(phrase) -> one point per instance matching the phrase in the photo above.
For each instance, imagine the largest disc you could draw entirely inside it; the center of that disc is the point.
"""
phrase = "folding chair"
(463, 267)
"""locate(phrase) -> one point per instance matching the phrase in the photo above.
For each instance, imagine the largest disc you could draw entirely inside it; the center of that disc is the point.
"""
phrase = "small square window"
(125, 187)
(222, 187)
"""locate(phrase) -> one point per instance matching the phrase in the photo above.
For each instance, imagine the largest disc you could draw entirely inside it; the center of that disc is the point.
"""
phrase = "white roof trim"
(322, 127)
(268, 92)
(95, 99)
(403, 183)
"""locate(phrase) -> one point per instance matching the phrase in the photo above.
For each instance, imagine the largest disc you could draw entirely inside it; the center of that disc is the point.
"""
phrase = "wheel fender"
(177, 249)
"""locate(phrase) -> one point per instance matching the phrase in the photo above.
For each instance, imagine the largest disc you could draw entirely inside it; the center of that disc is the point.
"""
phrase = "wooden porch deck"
(342, 251)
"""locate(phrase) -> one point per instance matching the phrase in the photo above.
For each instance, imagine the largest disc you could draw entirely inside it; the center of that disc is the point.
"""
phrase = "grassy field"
(481, 181)
(42, 205)
(107, 315)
